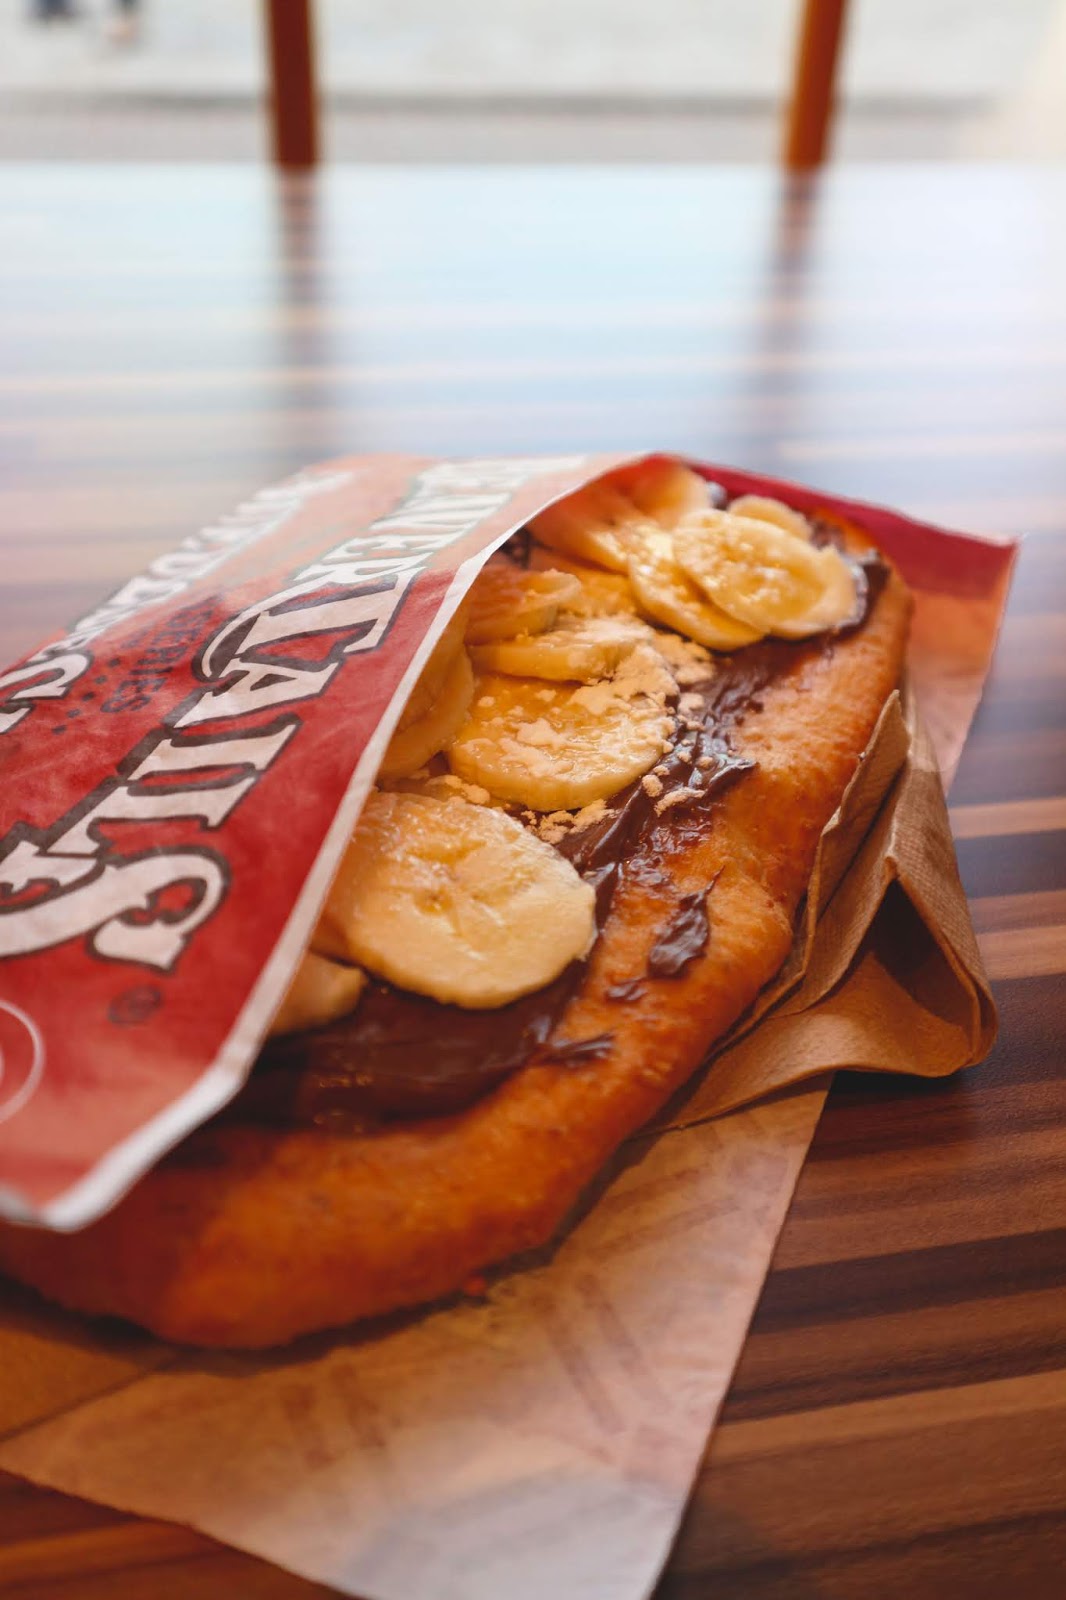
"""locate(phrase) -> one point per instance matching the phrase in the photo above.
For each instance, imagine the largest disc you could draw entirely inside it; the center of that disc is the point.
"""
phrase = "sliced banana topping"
(766, 578)
(443, 786)
(667, 595)
(765, 509)
(600, 593)
(664, 490)
(506, 601)
(455, 901)
(559, 747)
(432, 678)
(594, 524)
(838, 600)
(441, 890)
(411, 747)
(688, 661)
(320, 992)
(578, 649)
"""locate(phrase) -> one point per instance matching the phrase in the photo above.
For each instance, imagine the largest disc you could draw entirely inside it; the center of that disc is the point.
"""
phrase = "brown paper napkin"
(540, 1441)
(885, 974)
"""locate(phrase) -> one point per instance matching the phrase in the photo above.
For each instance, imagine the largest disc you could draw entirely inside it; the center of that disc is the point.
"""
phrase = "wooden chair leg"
(811, 107)
(293, 99)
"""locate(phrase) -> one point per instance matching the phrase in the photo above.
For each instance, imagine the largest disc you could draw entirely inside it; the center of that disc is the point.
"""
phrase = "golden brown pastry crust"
(247, 1236)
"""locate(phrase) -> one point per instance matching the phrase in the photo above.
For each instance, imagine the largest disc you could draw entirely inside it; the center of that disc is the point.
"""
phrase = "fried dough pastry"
(247, 1236)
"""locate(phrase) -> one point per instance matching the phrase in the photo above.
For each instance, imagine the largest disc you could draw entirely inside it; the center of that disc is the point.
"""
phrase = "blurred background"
(530, 80)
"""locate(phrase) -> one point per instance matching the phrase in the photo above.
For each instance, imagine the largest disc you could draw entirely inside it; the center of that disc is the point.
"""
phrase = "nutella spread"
(683, 939)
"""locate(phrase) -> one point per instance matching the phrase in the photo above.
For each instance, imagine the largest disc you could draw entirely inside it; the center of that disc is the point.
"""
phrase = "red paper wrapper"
(184, 767)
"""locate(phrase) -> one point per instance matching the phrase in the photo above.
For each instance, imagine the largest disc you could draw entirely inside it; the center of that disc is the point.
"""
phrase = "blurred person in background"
(125, 24)
(54, 11)
(122, 27)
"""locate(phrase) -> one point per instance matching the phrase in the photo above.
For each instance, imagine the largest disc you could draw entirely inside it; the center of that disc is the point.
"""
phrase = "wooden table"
(174, 338)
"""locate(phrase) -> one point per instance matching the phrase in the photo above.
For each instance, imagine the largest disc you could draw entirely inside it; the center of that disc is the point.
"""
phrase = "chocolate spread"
(403, 1055)
(684, 938)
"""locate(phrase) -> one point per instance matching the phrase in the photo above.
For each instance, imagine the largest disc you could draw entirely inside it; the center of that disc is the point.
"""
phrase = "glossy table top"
(173, 338)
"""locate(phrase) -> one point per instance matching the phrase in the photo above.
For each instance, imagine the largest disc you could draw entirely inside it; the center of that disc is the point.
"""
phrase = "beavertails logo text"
(68, 881)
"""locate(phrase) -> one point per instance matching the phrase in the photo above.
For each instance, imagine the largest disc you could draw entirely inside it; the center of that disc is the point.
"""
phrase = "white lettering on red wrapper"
(38, 679)
(99, 905)
(216, 775)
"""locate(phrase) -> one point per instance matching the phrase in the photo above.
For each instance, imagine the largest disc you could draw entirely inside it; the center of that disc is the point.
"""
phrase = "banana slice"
(320, 992)
(435, 672)
(455, 901)
(579, 649)
(663, 490)
(667, 595)
(765, 509)
(557, 748)
(444, 786)
(600, 593)
(593, 524)
(411, 747)
(765, 577)
(506, 601)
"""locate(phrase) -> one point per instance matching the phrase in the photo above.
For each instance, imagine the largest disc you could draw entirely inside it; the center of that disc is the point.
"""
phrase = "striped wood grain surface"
(170, 339)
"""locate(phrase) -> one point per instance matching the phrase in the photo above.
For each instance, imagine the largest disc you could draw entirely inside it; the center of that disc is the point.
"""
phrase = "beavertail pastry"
(582, 860)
